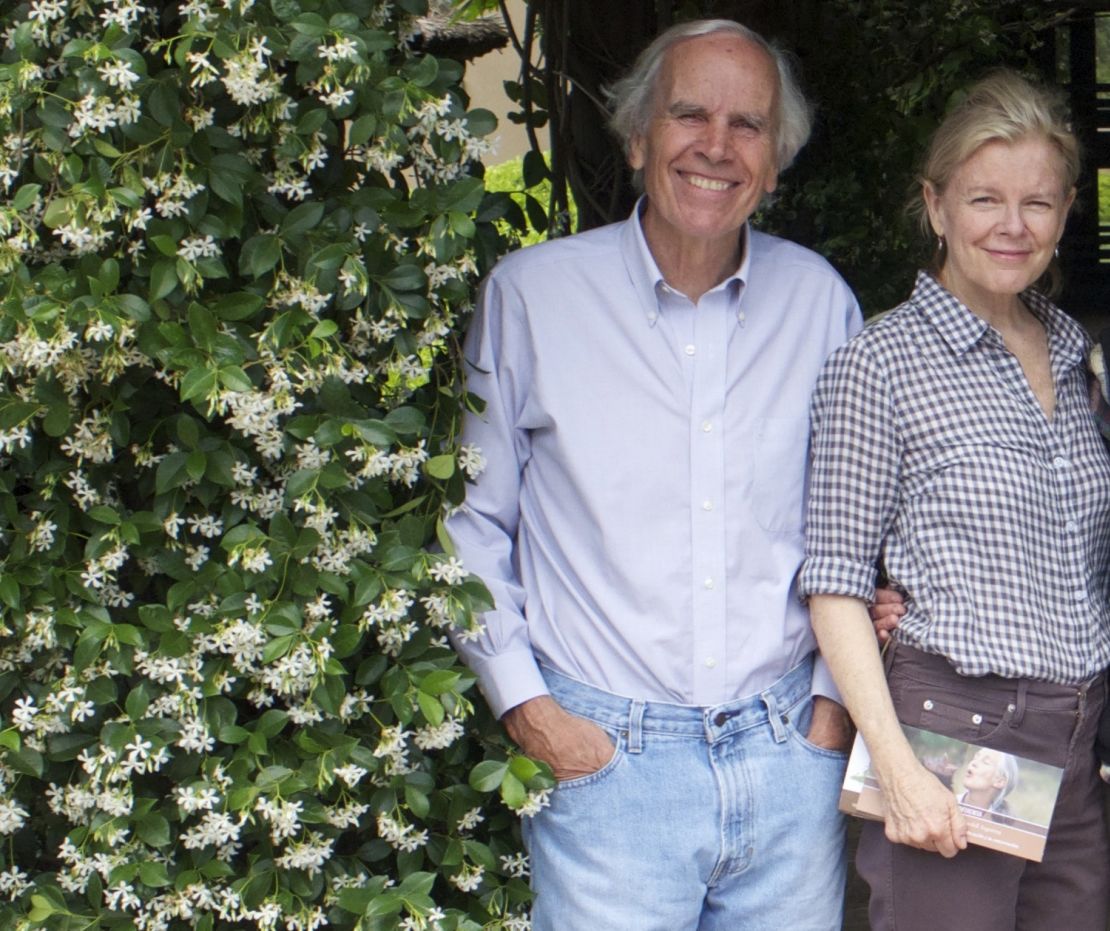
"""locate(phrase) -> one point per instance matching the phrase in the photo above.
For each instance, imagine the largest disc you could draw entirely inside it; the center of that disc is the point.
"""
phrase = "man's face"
(708, 154)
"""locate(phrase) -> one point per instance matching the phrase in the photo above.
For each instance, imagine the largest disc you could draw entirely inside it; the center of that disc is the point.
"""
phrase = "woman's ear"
(931, 197)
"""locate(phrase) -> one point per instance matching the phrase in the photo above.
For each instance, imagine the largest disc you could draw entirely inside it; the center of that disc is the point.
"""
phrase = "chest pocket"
(779, 483)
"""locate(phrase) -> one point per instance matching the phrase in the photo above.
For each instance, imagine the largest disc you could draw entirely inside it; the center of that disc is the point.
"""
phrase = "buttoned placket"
(1055, 457)
(702, 335)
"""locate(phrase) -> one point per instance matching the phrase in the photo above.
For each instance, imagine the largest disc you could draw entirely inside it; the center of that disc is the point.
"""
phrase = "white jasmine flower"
(118, 74)
(469, 877)
(12, 816)
(198, 247)
(449, 571)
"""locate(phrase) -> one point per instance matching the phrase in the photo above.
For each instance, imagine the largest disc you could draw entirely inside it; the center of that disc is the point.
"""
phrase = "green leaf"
(523, 768)
(137, 702)
(238, 306)
(25, 196)
(423, 71)
(513, 792)
(41, 908)
(272, 722)
(417, 802)
(202, 325)
(171, 472)
(9, 591)
(154, 829)
(164, 104)
(26, 761)
(534, 168)
(167, 245)
(405, 277)
(480, 122)
(260, 254)
(163, 278)
(153, 873)
(362, 129)
(432, 708)
(234, 378)
(199, 383)
(57, 420)
(441, 467)
(277, 648)
(487, 775)
(324, 329)
(302, 218)
(440, 681)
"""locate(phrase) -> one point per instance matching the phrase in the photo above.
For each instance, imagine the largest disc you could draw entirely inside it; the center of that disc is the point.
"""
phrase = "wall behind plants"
(236, 241)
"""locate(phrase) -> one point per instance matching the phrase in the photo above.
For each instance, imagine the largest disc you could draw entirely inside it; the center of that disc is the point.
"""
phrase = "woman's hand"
(921, 812)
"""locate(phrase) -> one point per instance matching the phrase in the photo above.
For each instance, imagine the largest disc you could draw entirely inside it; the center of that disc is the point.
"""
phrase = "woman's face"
(1001, 215)
(983, 773)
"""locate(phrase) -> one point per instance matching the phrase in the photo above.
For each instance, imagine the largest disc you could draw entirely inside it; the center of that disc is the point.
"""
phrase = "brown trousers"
(981, 889)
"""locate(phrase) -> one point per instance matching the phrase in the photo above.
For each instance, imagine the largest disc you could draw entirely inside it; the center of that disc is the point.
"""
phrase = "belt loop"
(636, 726)
(773, 716)
(1019, 703)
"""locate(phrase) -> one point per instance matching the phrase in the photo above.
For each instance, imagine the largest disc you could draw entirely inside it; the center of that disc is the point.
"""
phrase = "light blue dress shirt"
(640, 518)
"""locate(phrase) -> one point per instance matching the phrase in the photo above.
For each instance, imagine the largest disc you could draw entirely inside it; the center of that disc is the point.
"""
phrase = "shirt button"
(652, 318)
(976, 719)
(1059, 462)
(689, 350)
(707, 505)
(927, 704)
(708, 583)
(1071, 526)
(711, 663)
(706, 426)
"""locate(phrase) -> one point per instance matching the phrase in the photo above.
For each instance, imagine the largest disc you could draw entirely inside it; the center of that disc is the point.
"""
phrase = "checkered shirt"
(933, 458)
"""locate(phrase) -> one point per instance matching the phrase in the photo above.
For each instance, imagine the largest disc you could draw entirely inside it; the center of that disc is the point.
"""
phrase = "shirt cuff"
(508, 679)
(833, 575)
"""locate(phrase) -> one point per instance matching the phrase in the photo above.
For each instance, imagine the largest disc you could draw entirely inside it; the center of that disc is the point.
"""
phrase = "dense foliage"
(237, 241)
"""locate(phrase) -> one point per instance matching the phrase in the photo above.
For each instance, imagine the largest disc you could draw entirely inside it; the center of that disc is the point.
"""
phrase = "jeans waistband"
(1033, 693)
(711, 722)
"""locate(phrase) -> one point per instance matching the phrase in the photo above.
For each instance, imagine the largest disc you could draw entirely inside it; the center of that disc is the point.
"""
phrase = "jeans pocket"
(797, 720)
(949, 713)
(618, 738)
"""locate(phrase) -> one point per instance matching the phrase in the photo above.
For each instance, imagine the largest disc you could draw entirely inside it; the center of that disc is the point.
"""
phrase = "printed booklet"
(1006, 799)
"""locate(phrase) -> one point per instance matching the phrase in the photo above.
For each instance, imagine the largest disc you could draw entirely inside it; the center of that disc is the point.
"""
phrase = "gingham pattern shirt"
(933, 457)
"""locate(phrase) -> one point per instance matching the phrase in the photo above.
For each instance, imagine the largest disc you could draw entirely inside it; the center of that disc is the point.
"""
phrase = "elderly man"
(640, 520)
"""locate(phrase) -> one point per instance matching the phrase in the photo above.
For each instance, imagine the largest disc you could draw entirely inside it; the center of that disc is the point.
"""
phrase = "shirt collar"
(961, 329)
(645, 274)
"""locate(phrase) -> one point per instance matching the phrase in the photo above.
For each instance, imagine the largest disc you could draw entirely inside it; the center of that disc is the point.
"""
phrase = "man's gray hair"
(632, 97)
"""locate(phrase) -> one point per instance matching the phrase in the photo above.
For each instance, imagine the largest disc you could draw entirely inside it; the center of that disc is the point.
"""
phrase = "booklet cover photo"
(1006, 799)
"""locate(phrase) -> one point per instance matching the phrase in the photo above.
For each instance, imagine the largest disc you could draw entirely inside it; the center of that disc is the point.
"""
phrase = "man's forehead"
(688, 63)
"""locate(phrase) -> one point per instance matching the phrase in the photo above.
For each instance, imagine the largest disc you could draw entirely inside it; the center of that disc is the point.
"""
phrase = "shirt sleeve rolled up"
(854, 478)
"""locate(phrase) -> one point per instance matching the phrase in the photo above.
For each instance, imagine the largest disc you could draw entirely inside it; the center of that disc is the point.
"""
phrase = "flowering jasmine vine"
(237, 243)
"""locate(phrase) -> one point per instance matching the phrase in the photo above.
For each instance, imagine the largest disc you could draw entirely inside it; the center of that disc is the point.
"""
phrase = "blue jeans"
(706, 818)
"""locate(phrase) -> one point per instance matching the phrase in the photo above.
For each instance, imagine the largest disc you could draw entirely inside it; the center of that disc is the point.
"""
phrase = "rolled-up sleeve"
(854, 478)
(498, 361)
